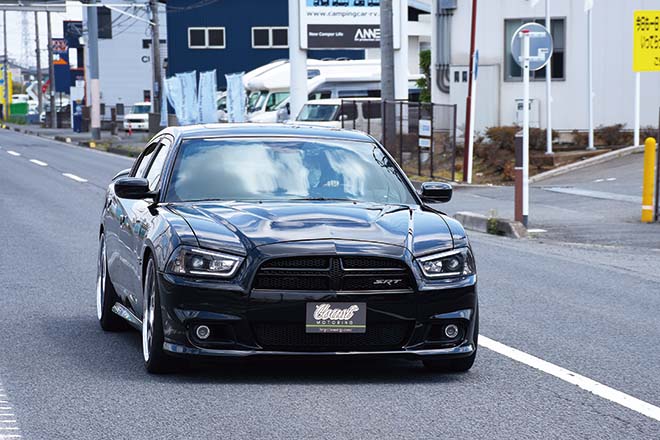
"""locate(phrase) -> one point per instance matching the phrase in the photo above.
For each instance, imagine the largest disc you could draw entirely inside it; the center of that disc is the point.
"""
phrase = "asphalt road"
(600, 204)
(592, 310)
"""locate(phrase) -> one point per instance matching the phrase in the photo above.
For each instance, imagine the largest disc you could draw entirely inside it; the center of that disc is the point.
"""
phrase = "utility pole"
(155, 61)
(468, 100)
(51, 73)
(297, 62)
(93, 51)
(387, 70)
(6, 71)
(38, 53)
(548, 87)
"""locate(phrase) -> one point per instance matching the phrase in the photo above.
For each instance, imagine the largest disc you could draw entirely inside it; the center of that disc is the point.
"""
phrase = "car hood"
(239, 227)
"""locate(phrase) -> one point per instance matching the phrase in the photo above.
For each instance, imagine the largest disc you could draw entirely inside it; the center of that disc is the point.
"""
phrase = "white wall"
(122, 73)
(614, 80)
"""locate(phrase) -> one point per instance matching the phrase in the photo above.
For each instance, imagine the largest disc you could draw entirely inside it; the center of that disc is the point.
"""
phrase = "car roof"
(265, 130)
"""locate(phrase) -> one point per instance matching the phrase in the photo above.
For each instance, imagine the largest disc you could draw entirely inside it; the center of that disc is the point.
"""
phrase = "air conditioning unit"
(534, 112)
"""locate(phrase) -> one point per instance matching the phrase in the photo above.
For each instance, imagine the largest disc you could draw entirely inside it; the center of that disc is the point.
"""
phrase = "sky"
(15, 31)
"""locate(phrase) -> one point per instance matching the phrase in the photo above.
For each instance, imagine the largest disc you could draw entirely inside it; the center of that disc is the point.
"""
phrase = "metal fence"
(421, 136)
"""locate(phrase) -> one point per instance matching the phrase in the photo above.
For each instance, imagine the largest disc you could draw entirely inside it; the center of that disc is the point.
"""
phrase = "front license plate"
(334, 317)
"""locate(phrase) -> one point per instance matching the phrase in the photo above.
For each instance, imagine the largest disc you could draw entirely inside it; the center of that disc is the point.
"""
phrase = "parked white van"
(268, 86)
(138, 117)
(360, 114)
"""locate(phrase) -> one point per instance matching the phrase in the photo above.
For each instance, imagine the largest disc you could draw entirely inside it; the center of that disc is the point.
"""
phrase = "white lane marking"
(536, 231)
(38, 162)
(74, 177)
(611, 179)
(599, 180)
(13, 153)
(7, 421)
(580, 381)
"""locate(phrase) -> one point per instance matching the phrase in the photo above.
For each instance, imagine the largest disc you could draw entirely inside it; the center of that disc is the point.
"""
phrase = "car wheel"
(155, 359)
(106, 296)
(455, 365)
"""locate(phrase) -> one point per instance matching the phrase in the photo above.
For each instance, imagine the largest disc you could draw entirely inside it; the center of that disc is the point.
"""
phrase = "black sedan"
(248, 240)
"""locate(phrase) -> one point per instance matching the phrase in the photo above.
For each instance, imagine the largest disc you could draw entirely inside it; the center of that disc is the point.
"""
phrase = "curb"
(491, 225)
(606, 157)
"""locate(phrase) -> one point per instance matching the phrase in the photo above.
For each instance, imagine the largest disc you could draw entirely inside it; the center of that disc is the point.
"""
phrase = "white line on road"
(13, 153)
(74, 177)
(7, 421)
(38, 162)
(583, 382)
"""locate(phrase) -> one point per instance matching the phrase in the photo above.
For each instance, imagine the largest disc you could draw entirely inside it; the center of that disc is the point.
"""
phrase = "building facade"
(125, 69)
(500, 79)
(231, 36)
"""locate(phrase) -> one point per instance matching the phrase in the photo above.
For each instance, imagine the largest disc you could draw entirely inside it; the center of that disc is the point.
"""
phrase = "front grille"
(292, 337)
(350, 273)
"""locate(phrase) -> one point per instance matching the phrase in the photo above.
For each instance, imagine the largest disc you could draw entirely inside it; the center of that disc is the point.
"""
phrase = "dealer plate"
(336, 317)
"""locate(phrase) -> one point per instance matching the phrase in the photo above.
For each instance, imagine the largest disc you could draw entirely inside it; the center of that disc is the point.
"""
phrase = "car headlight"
(193, 261)
(452, 263)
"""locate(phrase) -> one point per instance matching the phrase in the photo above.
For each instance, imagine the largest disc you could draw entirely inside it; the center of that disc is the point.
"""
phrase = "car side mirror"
(122, 173)
(135, 188)
(436, 192)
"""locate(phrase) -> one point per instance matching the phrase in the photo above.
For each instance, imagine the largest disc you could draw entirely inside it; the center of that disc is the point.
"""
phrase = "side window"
(140, 167)
(156, 169)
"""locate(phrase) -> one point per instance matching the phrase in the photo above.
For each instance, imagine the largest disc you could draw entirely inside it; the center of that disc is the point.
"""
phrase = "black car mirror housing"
(436, 192)
(135, 188)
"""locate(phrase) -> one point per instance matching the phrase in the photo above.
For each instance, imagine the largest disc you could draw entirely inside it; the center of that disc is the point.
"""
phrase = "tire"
(155, 359)
(460, 365)
(106, 295)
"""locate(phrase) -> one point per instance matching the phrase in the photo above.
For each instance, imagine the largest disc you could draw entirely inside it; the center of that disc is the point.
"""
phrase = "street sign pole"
(531, 48)
(638, 92)
(525, 146)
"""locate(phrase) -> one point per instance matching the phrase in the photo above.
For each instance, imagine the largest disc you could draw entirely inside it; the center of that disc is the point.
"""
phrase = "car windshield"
(256, 100)
(261, 169)
(141, 108)
(318, 112)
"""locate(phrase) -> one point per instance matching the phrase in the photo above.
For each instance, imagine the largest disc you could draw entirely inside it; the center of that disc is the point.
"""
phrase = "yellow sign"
(646, 41)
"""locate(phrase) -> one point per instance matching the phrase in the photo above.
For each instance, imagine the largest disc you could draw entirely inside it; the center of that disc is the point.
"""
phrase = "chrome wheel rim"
(101, 274)
(149, 311)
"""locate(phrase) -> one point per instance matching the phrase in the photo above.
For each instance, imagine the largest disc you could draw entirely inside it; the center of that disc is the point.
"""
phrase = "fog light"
(451, 331)
(204, 332)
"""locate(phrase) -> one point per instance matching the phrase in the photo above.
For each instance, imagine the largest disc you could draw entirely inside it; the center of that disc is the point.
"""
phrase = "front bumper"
(236, 315)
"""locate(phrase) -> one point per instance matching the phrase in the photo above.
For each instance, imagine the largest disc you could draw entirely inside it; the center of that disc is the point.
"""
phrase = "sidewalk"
(121, 143)
(600, 204)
